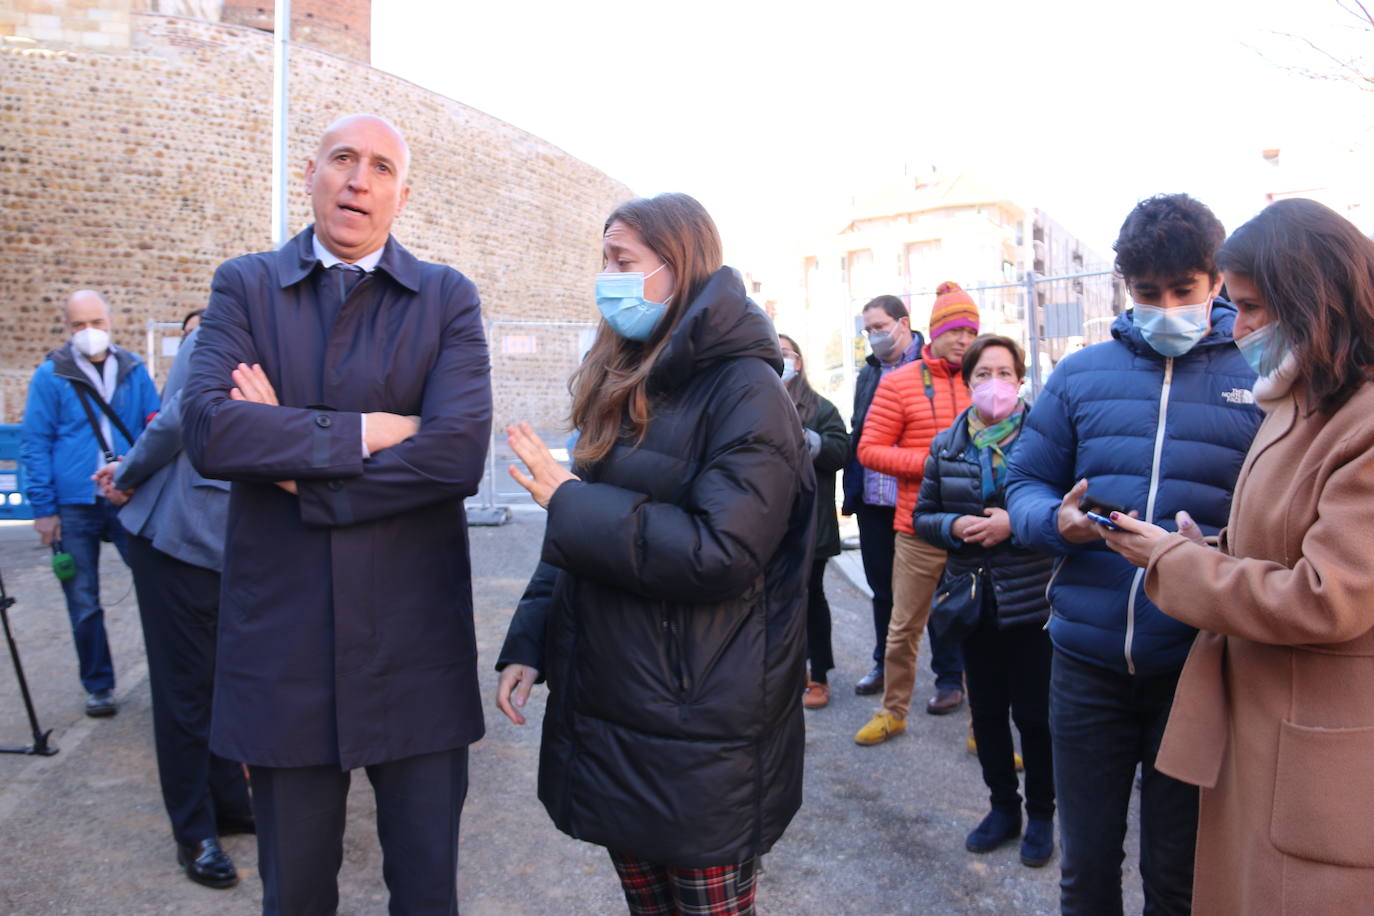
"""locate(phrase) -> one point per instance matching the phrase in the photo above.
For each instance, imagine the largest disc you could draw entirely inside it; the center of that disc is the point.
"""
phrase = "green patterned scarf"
(989, 441)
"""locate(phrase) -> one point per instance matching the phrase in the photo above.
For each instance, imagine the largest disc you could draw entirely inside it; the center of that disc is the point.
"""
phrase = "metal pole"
(148, 343)
(1033, 334)
(281, 37)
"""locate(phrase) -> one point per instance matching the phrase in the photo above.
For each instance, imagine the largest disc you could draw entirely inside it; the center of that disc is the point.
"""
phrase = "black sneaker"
(101, 703)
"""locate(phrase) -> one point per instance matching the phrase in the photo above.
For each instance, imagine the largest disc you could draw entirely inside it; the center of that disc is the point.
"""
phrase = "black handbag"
(957, 606)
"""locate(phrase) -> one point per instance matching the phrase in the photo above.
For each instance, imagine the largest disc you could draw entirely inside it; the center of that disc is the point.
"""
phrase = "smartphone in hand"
(1100, 510)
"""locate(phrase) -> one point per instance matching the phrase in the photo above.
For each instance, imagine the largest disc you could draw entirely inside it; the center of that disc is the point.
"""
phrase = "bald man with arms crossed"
(87, 403)
(343, 387)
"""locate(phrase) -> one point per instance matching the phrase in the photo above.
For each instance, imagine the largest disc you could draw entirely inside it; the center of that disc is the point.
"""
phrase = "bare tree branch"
(1349, 70)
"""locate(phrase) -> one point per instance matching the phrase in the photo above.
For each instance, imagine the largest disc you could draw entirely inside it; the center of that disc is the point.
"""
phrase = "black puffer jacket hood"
(720, 323)
(669, 610)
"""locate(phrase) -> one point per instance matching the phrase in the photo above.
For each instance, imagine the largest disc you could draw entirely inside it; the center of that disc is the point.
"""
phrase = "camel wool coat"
(1274, 712)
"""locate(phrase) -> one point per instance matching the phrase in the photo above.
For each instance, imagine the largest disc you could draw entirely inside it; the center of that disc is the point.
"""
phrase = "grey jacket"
(181, 512)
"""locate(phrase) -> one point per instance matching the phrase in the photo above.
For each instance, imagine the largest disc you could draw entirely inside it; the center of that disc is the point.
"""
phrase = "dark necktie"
(348, 277)
(339, 280)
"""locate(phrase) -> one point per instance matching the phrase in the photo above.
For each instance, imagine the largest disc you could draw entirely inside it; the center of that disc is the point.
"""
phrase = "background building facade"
(934, 227)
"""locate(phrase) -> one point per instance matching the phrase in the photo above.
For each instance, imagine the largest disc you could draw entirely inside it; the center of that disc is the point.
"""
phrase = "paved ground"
(84, 832)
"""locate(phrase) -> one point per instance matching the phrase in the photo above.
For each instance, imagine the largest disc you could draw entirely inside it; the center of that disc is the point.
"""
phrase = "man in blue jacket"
(61, 451)
(1157, 421)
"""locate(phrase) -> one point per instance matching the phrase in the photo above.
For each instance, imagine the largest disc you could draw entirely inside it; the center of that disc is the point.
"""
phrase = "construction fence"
(1050, 315)
(532, 361)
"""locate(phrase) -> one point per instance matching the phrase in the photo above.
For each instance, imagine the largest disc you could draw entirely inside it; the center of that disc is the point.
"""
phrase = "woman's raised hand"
(545, 473)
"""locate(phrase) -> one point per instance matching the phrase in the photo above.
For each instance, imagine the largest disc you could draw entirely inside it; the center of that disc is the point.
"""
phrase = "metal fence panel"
(531, 363)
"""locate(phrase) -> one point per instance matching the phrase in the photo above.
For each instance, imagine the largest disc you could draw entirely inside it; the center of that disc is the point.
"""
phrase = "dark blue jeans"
(83, 527)
(1103, 724)
(877, 542)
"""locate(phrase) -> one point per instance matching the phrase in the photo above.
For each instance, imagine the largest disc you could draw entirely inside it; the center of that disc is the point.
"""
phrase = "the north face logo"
(1238, 396)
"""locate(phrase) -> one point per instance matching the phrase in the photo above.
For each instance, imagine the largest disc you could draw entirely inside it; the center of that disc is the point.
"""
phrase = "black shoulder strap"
(929, 384)
(83, 394)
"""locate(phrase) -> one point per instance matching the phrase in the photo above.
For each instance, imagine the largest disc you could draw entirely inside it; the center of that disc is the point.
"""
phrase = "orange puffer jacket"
(903, 420)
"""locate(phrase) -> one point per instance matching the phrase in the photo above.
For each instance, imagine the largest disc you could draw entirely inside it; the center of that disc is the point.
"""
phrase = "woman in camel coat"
(1274, 713)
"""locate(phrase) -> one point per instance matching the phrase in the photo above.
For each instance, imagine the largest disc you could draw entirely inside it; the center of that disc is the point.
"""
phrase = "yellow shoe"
(973, 749)
(879, 728)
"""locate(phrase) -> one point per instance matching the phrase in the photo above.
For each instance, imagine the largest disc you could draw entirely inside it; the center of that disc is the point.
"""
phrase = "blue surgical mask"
(1174, 331)
(789, 369)
(620, 297)
(1263, 349)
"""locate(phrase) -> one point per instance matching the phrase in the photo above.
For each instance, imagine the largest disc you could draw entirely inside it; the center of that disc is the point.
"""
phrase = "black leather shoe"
(228, 826)
(945, 702)
(205, 863)
(101, 703)
(871, 682)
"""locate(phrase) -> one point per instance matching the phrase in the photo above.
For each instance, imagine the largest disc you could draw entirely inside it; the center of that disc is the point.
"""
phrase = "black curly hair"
(1168, 236)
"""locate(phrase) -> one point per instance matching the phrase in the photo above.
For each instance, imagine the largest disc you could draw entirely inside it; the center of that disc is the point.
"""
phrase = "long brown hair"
(1316, 274)
(803, 395)
(610, 390)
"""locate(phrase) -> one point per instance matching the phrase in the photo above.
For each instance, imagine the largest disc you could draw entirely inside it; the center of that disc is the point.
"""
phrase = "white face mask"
(789, 369)
(91, 341)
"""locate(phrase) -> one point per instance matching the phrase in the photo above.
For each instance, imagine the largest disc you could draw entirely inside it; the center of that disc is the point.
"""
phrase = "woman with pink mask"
(961, 508)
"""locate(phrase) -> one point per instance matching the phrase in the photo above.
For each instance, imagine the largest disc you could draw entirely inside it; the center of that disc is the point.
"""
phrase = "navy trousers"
(179, 606)
(1103, 724)
(301, 813)
(1009, 672)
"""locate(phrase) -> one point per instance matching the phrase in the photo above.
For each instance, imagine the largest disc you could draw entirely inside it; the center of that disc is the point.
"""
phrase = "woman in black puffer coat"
(668, 611)
(961, 507)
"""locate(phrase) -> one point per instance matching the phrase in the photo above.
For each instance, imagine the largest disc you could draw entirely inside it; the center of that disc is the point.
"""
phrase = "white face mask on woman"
(789, 369)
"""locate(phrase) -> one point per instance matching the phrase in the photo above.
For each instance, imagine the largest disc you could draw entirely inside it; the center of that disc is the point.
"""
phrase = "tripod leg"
(40, 744)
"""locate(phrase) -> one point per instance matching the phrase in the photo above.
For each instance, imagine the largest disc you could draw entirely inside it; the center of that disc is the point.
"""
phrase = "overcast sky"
(772, 114)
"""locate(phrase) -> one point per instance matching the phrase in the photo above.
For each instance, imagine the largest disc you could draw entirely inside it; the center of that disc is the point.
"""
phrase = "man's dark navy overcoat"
(346, 633)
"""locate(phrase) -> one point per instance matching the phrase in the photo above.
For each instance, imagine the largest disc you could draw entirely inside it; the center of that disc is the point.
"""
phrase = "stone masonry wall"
(96, 24)
(137, 173)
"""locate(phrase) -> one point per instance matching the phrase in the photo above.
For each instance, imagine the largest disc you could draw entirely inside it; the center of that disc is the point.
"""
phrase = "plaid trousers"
(658, 890)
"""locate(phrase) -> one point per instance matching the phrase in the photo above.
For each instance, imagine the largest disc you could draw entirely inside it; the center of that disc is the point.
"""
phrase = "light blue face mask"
(1174, 331)
(620, 297)
(1263, 349)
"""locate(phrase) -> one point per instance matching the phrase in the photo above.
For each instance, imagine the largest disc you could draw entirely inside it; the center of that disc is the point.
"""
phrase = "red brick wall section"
(342, 27)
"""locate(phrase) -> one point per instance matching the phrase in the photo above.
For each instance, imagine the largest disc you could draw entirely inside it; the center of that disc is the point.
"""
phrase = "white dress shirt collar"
(367, 262)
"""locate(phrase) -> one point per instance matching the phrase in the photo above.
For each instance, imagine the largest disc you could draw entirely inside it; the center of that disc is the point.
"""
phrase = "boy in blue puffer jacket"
(1155, 420)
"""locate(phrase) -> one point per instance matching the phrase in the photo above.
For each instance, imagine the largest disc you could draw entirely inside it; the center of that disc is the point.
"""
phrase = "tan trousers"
(916, 569)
